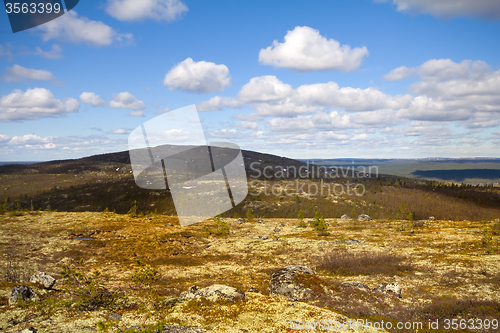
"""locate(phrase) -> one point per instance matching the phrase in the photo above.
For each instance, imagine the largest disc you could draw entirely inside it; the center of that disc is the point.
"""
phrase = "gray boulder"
(181, 329)
(354, 284)
(364, 217)
(388, 288)
(26, 330)
(44, 279)
(281, 283)
(213, 293)
(345, 217)
(22, 294)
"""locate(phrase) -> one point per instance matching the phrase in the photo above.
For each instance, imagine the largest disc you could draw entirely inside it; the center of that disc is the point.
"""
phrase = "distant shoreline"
(20, 162)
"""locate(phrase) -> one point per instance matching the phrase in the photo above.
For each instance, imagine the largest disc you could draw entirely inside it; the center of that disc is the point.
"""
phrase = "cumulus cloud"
(304, 49)
(264, 89)
(218, 103)
(126, 100)
(225, 134)
(489, 9)
(119, 131)
(198, 77)
(18, 73)
(53, 53)
(136, 114)
(34, 104)
(248, 125)
(133, 10)
(271, 97)
(91, 98)
(399, 73)
(78, 29)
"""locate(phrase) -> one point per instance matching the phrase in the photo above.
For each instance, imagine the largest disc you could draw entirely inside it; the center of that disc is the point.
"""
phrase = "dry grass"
(342, 262)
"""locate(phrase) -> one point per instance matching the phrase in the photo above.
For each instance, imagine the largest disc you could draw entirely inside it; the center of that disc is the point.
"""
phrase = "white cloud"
(271, 97)
(119, 131)
(399, 73)
(199, 77)
(217, 103)
(133, 10)
(18, 73)
(77, 29)
(34, 104)
(489, 9)
(136, 114)
(304, 49)
(248, 125)
(4, 138)
(91, 98)
(225, 134)
(264, 89)
(327, 121)
(126, 100)
(248, 117)
(54, 53)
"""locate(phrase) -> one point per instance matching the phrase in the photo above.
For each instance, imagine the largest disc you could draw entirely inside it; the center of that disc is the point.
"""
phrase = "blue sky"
(316, 79)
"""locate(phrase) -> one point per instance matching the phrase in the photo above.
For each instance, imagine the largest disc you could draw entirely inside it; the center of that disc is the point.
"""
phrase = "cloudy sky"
(302, 79)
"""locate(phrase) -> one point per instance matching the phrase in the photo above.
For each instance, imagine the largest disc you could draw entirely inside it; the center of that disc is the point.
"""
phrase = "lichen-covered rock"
(364, 217)
(171, 301)
(181, 329)
(282, 283)
(26, 330)
(388, 288)
(354, 284)
(214, 292)
(22, 294)
(44, 279)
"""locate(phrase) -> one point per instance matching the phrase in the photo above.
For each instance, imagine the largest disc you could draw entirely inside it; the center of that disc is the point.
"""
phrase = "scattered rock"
(354, 284)
(181, 329)
(114, 316)
(432, 218)
(171, 301)
(253, 290)
(260, 221)
(345, 217)
(276, 238)
(26, 330)
(44, 279)
(420, 223)
(168, 224)
(348, 242)
(364, 217)
(22, 294)
(213, 293)
(265, 237)
(310, 221)
(277, 229)
(323, 242)
(387, 288)
(241, 221)
(282, 225)
(281, 283)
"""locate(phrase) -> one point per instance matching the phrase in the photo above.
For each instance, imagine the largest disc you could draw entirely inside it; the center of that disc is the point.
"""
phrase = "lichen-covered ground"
(143, 260)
